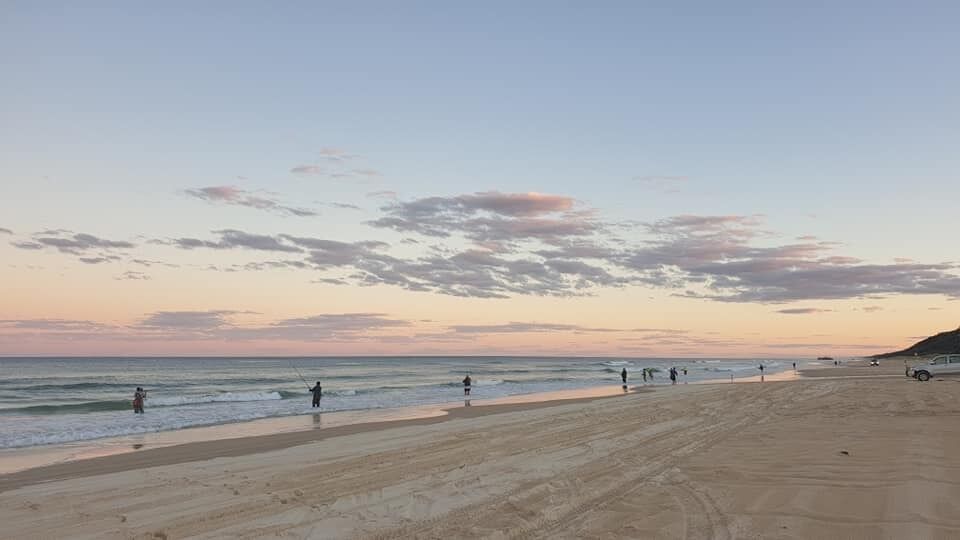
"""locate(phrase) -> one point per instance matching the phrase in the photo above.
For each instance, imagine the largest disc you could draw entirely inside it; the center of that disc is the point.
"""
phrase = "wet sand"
(831, 457)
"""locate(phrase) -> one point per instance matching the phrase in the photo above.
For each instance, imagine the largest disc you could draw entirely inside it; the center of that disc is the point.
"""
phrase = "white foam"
(172, 401)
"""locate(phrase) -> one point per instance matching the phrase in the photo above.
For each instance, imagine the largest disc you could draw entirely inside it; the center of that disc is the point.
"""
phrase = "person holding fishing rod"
(317, 389)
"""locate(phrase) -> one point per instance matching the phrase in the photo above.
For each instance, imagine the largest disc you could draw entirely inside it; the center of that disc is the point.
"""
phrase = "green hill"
(942, 343)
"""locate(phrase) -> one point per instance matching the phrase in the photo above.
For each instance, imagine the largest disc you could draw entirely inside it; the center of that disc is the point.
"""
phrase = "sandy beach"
(851, 452)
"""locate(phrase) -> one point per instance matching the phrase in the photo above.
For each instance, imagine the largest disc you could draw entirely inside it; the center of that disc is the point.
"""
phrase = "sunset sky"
(711, 179)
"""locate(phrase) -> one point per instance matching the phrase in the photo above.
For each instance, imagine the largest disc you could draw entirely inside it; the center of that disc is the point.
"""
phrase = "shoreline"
(18, 459)
(27, 466)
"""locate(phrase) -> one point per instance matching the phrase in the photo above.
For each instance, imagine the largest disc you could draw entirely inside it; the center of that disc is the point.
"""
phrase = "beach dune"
(815, 458)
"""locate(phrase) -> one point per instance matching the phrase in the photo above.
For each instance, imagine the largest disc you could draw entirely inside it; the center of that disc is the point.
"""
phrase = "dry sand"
(848, 457)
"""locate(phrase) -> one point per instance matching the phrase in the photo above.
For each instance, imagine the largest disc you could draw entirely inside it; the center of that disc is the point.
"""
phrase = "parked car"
(940, 366)
(874, 362)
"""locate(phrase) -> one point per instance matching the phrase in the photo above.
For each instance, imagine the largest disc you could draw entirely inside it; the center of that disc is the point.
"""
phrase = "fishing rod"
(305, 383)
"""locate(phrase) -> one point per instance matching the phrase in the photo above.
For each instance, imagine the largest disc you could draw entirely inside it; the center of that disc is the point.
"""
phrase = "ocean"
(60, 400)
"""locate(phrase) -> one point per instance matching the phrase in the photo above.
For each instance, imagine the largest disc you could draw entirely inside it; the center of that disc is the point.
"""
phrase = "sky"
(671, 179)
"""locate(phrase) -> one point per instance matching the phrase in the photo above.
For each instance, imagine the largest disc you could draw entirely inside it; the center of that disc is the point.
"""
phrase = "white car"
(941, 366)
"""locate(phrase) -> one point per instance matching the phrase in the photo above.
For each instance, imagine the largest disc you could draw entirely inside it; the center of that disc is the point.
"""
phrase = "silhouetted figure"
(138, 396)
(673, 375)
(317, 394)
(466, 385)
(644, 374)
(623, 375)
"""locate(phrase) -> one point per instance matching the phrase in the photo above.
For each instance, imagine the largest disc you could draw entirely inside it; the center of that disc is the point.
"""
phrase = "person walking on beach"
(623, 375)
(673, 375)
(317, 394)
(761, 373)
(466, 385)
(138, 396)
(644, 374)
(794, 366)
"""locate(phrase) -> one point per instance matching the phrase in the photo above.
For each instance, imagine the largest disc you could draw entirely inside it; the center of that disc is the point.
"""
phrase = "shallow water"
(57, 400)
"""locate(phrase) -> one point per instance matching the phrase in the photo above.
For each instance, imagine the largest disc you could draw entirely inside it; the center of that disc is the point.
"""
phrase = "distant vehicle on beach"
(874, 362)
(940, 366)
(825, 358)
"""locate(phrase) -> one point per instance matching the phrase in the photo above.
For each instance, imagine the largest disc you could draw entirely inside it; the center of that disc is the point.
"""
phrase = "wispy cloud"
(131, 275)
(187, 320)
(222, 325)
(74, 243)
(335, 164)
(525, 328)
(720, 256)
(308, 169)
(336, 154)
(53, 324)
(234, 239)
(336, 174)
(490, 217)
(233, 195)
(345, 206)
(803, 311)
(95, 260)
(149, 263)
(339, 326)
(210, 325)
(88, 249)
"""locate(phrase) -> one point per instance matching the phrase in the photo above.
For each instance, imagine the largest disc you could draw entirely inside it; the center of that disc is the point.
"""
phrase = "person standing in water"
(673, 375)
(644, 374)
(317, 394)
(138, 396)
(623, 375)
(466, 385)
